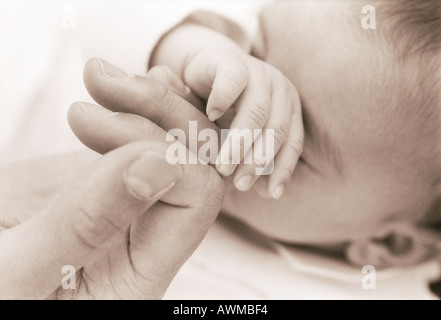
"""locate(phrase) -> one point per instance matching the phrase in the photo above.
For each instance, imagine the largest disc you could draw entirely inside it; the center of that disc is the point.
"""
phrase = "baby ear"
(396, 244)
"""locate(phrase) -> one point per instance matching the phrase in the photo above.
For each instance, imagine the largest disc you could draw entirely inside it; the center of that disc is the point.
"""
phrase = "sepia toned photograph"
(220, 150)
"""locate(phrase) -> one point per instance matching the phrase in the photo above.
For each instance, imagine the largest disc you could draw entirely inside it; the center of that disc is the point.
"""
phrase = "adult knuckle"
(85, 230)
(163, 101)
(91, 229)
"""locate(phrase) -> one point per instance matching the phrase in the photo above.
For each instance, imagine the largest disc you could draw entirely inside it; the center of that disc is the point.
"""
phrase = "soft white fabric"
(233, 262)
(43, 47)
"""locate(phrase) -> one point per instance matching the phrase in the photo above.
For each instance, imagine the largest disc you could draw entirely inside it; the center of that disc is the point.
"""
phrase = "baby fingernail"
(224, 169)
(109, 70)
(187, 90)
(94, 109)
(214, 115)
(259, 160)
(244, 183)
(277, 194)
(151, 176)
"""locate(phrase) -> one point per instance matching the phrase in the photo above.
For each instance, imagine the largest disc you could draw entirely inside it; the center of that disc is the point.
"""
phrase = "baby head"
(370, 174)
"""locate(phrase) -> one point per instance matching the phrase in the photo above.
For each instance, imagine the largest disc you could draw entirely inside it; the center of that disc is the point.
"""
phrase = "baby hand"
(264, 99)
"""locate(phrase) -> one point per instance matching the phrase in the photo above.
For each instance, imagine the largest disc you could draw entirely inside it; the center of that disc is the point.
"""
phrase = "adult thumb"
(84, 217)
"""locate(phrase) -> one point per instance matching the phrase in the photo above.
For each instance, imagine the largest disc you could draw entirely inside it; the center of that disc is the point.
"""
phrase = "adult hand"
(108, 224)
(141, 104)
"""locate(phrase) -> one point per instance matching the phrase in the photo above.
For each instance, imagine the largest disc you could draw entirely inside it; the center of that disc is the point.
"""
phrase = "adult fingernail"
(244, 183)
(151, 176)
(109, 70)
(277, 194)
(214, 115)
(94, 109)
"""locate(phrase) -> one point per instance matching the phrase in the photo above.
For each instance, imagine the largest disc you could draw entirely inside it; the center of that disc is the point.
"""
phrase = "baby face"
(361, 165)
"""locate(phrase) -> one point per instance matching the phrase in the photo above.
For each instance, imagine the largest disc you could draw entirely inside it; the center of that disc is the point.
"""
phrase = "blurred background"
(43, 48)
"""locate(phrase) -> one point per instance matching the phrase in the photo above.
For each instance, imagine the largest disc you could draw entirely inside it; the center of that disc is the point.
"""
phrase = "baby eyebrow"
(321, 140)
